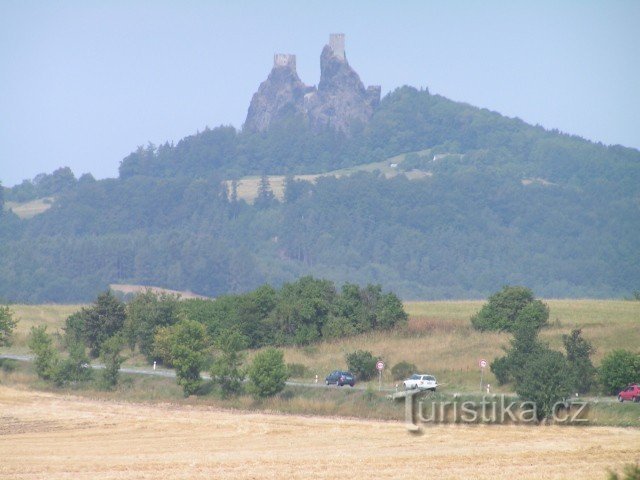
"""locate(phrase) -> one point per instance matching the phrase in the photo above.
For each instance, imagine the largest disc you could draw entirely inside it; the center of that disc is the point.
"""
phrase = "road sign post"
(483, 364)
(380, 367)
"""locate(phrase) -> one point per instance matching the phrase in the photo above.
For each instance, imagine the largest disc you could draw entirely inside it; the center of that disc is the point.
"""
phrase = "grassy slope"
(440, 340)
(30, 209)
(247, 187)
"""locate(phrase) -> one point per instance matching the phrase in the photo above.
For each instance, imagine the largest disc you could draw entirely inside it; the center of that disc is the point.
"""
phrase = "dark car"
(631, 393)
(340, 378)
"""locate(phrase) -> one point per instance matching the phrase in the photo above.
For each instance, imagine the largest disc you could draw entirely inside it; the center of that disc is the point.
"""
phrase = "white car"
(422, 382)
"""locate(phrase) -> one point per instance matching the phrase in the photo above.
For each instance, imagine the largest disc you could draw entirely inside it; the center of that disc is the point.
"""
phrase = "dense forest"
(504, 203)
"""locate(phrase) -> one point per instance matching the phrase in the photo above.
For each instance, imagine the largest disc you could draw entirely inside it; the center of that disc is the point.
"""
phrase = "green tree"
(46, 356)
(362, 363)
(102, 320)
(112, 358)
(189, 344)
(579, 352)
(75, 369)
(390, 312)
(510, 308)
(618, 369)
(227, 368)
(265, 198)
(267, 373)
(545, 380)
(146, 313)
(7, 323)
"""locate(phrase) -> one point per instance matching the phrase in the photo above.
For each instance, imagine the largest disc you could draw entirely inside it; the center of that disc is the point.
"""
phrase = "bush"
(403, 370)
(46, 356)
(267, 373)
(112, 361)
(545, 380)
(501, 369)
(189, 342)
(362, 363)
(74, 369)
(618, 369)
(227, 368)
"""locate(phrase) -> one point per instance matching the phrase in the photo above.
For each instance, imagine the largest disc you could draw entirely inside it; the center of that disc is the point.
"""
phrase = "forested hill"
(498, 202)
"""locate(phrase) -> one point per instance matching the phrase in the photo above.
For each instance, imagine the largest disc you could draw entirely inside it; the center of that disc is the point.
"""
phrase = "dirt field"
(50, 436)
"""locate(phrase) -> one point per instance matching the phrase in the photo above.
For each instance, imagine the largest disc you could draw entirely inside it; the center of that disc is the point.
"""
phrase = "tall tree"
(7, 324)
(102, 320)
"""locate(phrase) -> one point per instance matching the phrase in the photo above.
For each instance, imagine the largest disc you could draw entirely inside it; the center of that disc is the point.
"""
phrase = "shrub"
(267, 373)
(500, 368)
(618, 369)
(545, 380)
(74, 369)
(362, 363)
(403, 370)
(46, 356)
(227, 368)
(189, 342)
(112, 361)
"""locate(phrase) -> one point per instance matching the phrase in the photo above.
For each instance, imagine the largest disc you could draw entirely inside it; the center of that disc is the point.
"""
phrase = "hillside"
(495, 201)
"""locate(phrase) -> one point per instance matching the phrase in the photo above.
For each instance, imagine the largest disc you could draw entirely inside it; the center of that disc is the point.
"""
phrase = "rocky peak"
(339, 101)
(279, 96)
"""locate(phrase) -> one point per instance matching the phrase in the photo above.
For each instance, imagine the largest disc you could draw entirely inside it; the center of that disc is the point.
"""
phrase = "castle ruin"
(339, 101)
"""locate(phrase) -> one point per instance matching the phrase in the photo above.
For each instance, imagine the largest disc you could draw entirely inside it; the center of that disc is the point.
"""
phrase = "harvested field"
(52, 436)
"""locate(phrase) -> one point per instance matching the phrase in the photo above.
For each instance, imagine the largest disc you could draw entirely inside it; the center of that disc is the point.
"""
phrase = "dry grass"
(29, 316)
(45, 435)
(128, 289)
(30, 209)
(247, 187)
(439, 339)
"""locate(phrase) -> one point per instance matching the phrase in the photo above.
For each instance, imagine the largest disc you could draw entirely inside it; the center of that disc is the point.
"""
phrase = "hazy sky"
(83, 83)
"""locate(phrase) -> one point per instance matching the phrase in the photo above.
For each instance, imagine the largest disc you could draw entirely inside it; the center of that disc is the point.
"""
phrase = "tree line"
(194, 335)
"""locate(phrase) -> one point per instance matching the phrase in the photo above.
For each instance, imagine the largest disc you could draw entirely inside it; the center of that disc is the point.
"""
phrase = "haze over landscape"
(237, 238)
(84, 84)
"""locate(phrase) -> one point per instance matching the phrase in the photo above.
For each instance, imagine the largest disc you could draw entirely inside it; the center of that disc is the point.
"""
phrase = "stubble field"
(56, 436)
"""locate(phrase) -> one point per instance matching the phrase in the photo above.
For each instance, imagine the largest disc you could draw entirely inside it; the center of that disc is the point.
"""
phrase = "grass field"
(55, 436)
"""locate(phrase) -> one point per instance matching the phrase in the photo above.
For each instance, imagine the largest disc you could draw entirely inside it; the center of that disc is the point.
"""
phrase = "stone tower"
(336, 42)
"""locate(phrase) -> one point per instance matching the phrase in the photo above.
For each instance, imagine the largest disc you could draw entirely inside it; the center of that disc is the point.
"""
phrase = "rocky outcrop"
(339, 101)
(279, 96)
(341, 98)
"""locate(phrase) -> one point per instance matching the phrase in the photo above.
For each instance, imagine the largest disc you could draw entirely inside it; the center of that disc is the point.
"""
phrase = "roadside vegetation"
(437, 338)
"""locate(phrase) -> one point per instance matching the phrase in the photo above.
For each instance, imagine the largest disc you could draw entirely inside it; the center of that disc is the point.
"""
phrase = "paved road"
(163, 372)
